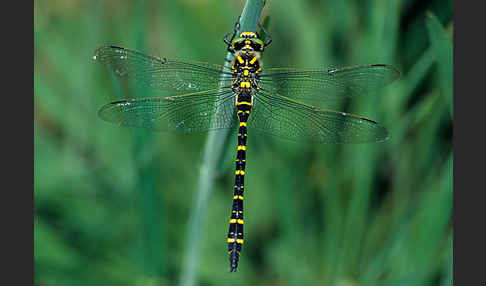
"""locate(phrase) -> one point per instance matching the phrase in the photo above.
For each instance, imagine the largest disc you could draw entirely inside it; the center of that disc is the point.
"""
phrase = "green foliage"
(113, 206)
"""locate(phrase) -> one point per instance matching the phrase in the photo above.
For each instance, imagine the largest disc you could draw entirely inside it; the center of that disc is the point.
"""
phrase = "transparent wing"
(184, 113)
(331, 85)
(276, 115)
(181, 76)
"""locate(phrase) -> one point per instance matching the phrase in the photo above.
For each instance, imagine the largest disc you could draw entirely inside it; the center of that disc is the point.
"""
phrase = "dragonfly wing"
(332, 85)
(185, 113)
(181, 76)
(276, 115)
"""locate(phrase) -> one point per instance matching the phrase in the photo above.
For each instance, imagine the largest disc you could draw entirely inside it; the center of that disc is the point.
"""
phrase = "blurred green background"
(113, 205)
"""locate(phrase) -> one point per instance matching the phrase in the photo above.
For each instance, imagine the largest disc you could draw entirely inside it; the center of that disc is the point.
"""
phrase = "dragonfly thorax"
(246, 61)
(246, 67)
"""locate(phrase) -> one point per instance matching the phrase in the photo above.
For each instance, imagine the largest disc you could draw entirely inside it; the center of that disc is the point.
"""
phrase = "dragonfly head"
(248, 42)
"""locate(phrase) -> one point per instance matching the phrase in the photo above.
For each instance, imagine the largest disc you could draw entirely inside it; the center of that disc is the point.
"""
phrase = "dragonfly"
(199, 96)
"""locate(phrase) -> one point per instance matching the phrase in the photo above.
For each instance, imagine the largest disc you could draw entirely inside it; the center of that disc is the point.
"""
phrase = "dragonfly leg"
(233, 33)
(268, 38)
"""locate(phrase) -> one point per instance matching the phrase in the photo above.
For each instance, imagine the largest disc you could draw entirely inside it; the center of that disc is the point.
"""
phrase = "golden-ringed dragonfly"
(272, 101)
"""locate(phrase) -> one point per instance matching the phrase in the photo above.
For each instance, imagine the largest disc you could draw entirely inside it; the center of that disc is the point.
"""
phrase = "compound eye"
(257, 44)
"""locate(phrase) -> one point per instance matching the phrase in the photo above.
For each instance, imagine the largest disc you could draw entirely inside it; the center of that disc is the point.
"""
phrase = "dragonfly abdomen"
(235, 233)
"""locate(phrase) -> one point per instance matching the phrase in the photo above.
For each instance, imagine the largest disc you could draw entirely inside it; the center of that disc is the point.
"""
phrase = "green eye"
(258, 41)
(257, 44)
(237, 40)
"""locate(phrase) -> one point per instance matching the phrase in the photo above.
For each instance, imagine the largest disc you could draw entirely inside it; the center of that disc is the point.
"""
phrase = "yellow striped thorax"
(246, 63)
(246, 67)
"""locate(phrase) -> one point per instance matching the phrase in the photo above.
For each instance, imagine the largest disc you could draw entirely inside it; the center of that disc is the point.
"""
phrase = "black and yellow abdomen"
(235, 232)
